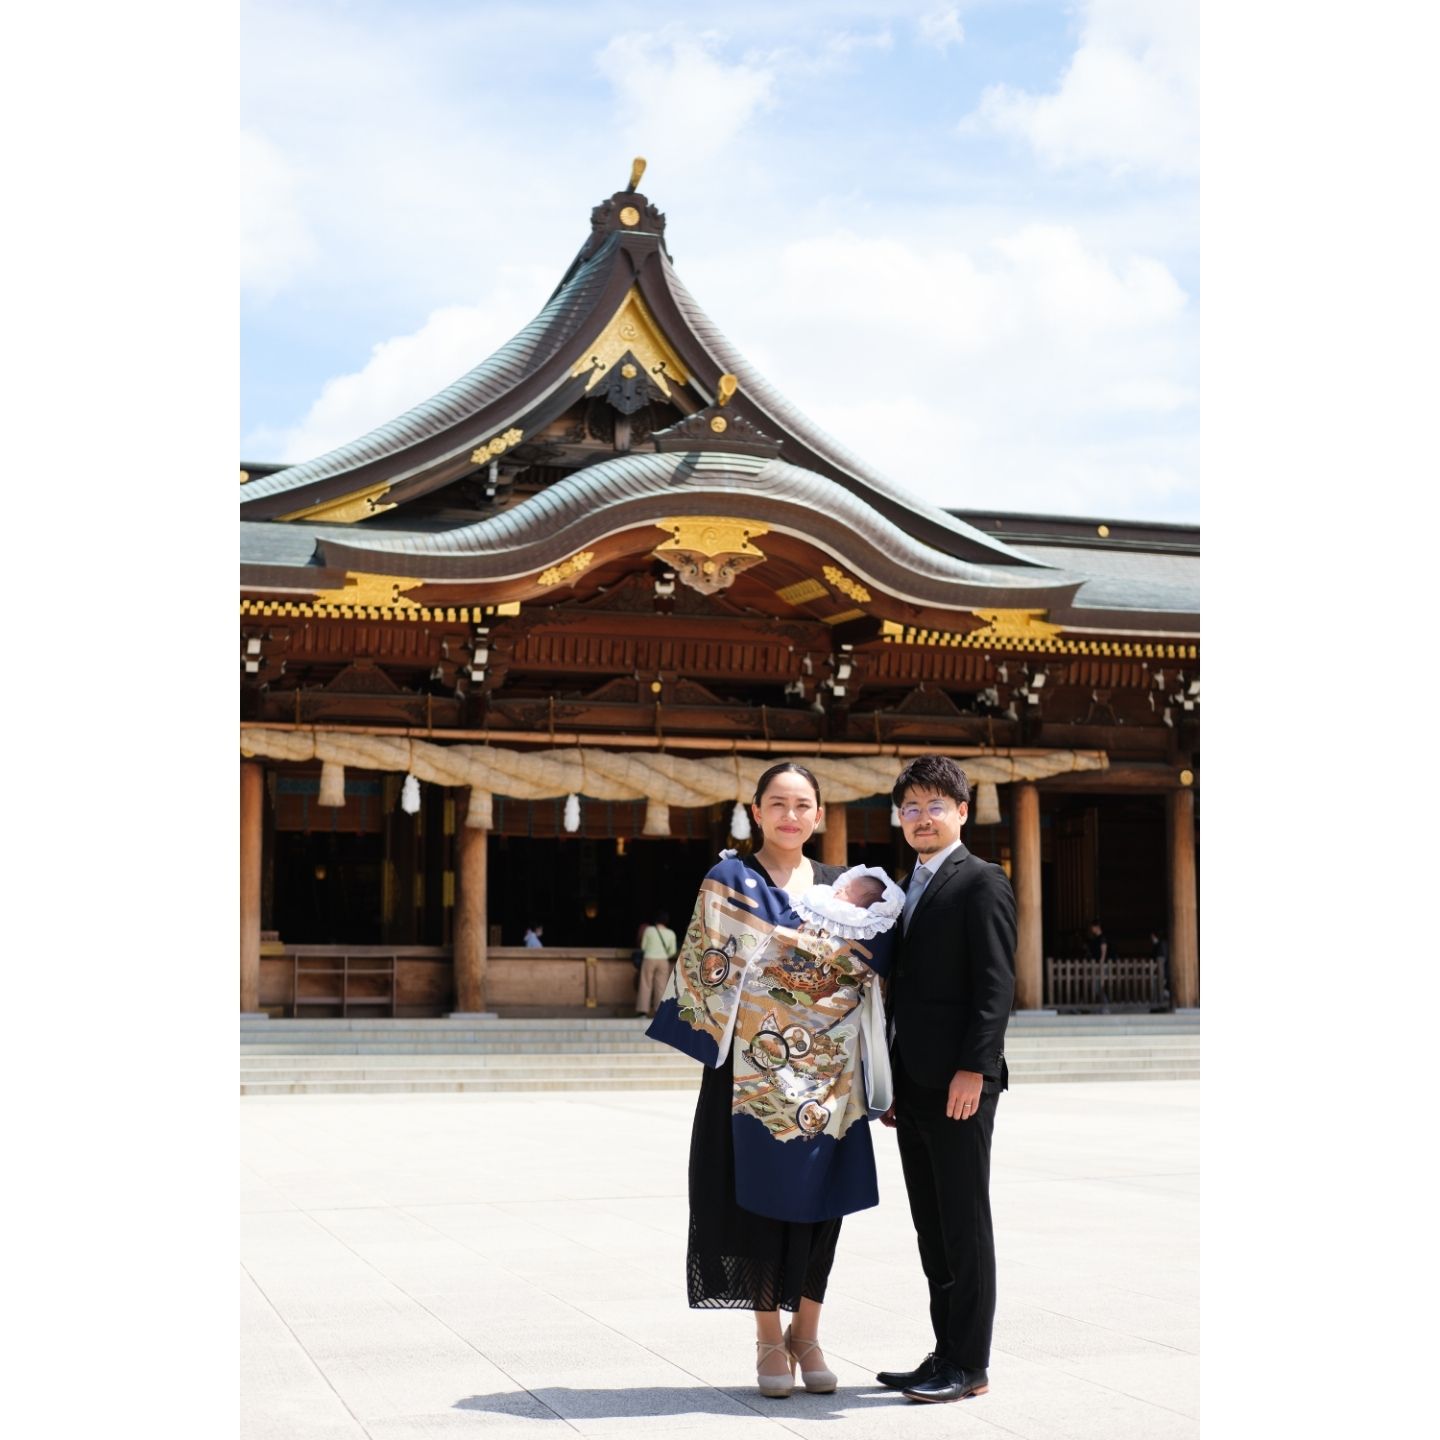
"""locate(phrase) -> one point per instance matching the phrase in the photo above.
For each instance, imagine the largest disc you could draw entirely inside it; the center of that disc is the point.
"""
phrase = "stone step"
(1023, 1022)
(588, 1057)
(585, 1062)
(365, 1069)
(490, 1085)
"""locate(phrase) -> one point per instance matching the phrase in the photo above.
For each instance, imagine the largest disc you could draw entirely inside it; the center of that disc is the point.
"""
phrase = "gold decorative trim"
(843, 616)
(893, 633)
(483, 454)
(1015, 625)
(363, 588)
(346, 509)
(719, 424)
(712, 534)
(566, 569)
(633, 328)
(845, 585)
(725, 389)
(629, 216)
(637, 169)
(307, 610)
(801, 592)
(244, 476)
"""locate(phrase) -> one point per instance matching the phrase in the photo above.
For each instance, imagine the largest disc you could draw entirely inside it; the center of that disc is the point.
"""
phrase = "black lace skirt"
(737, 1260)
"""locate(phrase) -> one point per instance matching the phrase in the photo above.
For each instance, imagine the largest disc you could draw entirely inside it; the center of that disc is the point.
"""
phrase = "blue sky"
(963, 237)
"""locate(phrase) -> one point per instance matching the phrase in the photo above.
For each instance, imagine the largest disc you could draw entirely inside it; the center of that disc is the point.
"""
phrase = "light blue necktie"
(918, 881)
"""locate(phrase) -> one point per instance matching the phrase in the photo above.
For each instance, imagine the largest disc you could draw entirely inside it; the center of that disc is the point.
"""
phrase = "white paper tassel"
(572, 813)
(987, 804)
(740, 822)
(895, 816)
(657, 818)
(332, 784)
(479, 814)
(410, 795)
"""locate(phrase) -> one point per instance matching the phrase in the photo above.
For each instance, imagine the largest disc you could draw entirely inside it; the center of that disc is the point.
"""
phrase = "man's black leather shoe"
(949, 1382)
(899, 1379)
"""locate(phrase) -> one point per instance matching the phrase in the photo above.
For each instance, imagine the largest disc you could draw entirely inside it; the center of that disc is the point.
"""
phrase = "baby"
(862, 903)
(862, 890)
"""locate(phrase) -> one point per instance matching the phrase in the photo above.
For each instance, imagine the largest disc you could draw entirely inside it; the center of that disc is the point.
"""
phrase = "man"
(532, 939)
(950, 996)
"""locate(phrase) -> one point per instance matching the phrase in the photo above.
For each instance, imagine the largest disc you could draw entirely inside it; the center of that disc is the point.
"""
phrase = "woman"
(772, 1008)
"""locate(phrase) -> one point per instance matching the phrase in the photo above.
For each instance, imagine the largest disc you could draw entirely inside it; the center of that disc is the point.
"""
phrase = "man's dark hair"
(933, 772)
(662, 917)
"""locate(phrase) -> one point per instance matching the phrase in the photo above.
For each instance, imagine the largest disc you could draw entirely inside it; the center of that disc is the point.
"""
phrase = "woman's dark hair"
(933, 772)
(662, 917)
(764, 782)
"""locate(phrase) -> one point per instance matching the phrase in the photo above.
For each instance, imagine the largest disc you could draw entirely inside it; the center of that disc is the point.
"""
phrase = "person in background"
(657, 950)
(1161, 955)
(1097, 947)
(532, 937)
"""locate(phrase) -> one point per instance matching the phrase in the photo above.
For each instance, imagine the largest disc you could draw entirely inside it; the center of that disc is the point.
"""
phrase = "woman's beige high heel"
(777, 1387)
(817, 1382)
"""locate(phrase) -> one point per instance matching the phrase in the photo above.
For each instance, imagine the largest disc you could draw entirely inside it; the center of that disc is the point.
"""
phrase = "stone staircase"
(379, 1057)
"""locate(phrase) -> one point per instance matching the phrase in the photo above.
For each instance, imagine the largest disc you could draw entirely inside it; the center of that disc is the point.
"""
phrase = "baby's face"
(862, 890)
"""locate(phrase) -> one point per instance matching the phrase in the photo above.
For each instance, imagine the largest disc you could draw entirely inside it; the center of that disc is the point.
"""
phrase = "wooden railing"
(1119, 982)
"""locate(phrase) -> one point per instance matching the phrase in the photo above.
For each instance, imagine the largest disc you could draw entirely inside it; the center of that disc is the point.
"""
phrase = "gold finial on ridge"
(637, 169)
(726, 389)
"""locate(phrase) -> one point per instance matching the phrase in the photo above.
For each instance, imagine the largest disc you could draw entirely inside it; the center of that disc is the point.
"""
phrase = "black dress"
(738, 1260)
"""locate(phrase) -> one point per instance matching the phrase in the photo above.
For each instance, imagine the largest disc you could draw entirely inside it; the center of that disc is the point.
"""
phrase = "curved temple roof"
(777, 468)
(630, 491)
(530, 380)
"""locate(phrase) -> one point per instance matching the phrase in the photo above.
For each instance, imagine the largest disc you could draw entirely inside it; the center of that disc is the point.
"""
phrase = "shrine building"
(514, 658)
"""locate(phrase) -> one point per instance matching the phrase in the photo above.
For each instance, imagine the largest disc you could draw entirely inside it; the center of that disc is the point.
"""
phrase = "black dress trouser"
(947, 1177)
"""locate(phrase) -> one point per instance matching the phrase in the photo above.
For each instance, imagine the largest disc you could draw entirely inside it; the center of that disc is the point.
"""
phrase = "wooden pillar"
(1029, 980)
(471, 847)
(834, 839)
(1184, 914)
(252, 806)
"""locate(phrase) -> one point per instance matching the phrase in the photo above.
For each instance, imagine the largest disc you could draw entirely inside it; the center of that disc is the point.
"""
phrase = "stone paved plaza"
(482, 1265)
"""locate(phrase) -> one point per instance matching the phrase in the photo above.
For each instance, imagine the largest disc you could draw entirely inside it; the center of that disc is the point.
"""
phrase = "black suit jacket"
(953, 977)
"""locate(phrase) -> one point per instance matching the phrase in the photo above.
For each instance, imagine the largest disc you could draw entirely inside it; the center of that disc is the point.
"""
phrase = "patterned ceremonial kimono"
(786, 998)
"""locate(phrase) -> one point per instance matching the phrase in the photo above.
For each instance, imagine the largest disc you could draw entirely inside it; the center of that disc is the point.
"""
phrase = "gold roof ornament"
(725, 389)
(634, 329)
(567, 569)
(637, 169)
(347, 509)
(709, 551)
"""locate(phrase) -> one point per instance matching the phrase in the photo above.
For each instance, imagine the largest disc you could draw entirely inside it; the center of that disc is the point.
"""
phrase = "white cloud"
(275, 240)
(1024, 370)
(940, 28)
(1128, 100)
(676, 98)
(404, 370)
